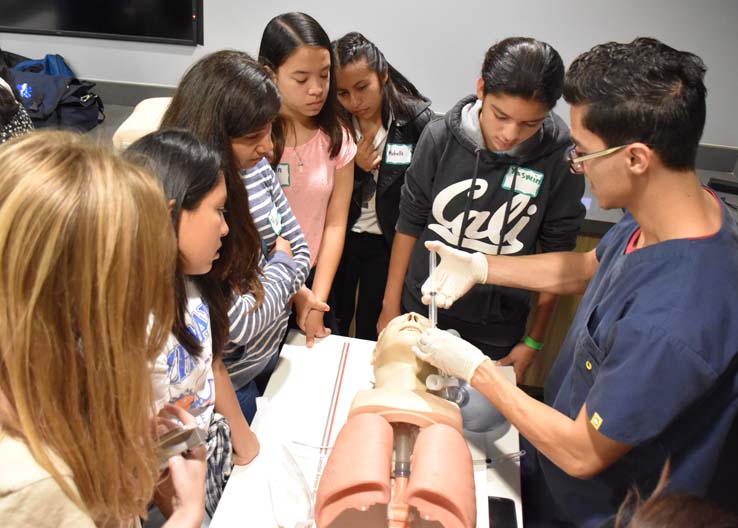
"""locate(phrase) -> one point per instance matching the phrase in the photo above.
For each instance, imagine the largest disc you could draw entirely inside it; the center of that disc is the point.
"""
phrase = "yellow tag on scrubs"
(596, 421)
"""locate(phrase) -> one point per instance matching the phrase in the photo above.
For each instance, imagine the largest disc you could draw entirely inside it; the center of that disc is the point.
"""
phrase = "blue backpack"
(49, 65)
(54, 97)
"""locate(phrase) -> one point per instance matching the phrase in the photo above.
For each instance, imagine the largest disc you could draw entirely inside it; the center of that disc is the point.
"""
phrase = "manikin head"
(395, 364)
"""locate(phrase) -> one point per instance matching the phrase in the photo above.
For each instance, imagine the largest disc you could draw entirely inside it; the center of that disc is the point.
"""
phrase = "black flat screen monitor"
(163, 21)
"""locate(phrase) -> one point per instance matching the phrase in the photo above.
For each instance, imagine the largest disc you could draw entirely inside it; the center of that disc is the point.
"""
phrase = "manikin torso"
(383, 469)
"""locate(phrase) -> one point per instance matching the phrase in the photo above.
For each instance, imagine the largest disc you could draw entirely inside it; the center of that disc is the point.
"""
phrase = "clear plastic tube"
(404, 441)
(437, 382)
(433, 309)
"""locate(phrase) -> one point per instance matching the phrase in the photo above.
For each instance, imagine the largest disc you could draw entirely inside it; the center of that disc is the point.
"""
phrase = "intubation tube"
(404, 442)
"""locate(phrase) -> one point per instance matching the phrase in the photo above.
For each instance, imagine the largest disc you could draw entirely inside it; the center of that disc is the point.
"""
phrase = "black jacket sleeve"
(565, 211)
(417, 192)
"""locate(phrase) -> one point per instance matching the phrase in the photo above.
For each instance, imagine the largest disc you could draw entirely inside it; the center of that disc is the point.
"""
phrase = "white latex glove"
(449, 353)
(455, 275)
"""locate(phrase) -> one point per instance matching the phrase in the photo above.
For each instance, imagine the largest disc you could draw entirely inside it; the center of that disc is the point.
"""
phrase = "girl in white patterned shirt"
(189, 372)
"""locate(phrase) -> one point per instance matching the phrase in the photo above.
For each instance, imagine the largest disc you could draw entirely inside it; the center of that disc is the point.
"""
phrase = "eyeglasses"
(576, 164)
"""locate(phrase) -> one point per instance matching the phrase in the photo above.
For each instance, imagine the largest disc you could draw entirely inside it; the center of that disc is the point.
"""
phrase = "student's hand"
(367, 157)
(449, 353)
(305, 301)
(455, 275)
(187, 473)
(314, 327)
(245, 448)
(282, 244)
(385, 316)
(172, 417)
(183, 482)
(521, 358)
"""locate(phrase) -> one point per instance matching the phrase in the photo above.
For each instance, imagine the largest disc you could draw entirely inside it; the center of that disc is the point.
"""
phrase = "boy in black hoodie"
(491, 177)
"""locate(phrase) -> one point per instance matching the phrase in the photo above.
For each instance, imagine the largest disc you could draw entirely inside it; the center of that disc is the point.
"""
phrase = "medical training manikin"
(401, 459)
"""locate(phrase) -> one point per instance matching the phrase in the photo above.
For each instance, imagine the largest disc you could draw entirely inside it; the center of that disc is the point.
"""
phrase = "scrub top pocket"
(588, 357)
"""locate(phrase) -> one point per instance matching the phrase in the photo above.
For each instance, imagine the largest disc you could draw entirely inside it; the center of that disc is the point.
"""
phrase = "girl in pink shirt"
(313, 151)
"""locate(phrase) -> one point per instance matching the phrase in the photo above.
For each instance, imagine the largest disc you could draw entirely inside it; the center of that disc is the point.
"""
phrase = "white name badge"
(399, 154)
(283, 174)
(275, 220)
(527, 181)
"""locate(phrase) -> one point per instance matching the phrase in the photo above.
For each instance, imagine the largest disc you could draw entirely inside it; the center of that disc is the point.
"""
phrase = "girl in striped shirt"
(228, 100)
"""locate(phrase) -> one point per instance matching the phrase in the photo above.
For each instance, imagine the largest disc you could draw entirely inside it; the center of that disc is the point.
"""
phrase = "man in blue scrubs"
(649, 368)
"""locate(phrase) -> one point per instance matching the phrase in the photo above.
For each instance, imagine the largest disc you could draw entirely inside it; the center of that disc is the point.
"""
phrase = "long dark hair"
(398, 92)
(524, 67)
(224, 96)
(188, 170)
(282, 36)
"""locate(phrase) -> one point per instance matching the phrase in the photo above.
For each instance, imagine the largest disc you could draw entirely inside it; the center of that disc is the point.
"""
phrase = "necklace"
(299, 161)
(300, 164)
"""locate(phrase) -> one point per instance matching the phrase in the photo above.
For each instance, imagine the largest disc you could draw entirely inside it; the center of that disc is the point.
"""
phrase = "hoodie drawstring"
(469, 197)
(496, 299)
(467, 206)
(504, 228)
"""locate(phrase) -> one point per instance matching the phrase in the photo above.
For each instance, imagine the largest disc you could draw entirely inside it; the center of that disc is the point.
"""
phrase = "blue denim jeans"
(247, 399)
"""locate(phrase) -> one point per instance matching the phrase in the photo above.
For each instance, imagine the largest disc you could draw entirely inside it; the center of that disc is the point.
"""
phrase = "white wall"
(438, 44)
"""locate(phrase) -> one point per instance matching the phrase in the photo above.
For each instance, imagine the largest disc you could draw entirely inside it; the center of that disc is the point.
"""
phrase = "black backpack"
(57, 100)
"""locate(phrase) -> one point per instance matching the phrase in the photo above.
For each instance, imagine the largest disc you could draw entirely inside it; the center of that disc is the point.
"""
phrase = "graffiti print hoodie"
(511, 203)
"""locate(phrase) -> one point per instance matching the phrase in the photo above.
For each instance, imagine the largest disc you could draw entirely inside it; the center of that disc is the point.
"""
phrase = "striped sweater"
(255, 335)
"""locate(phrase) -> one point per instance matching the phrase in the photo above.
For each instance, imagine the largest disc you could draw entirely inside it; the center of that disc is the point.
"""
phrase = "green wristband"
(532, 343)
